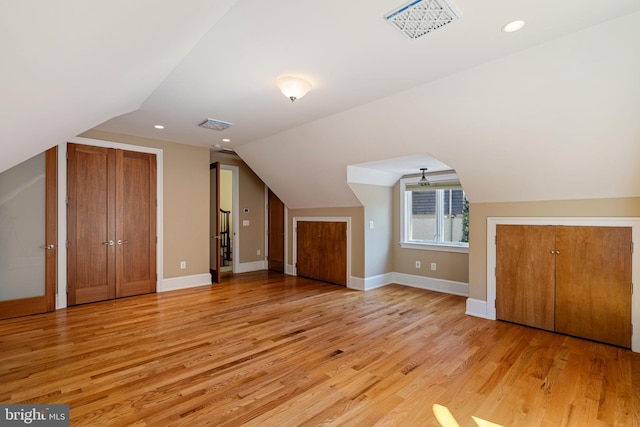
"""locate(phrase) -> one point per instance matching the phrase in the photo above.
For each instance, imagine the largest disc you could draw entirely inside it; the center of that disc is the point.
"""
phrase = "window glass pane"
(436, 216)
(453, 202)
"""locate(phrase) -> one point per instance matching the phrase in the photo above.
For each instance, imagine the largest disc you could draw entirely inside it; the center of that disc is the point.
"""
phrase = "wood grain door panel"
(276, 233)
(593, 292)
(322, 251)
(333, 264)
(136, 223)
(525, 275)
(111, 217)
(214, 222)
(91, 221)
(308, 255)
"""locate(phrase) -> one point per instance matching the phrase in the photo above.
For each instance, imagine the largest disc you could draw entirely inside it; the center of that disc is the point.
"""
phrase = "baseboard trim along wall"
(184, 282)
(245, 267)
(477, 308)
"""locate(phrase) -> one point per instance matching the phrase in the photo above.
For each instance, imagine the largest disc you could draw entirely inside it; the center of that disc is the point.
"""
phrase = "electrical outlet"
(183, 265)
(417, 264)
(433, 266)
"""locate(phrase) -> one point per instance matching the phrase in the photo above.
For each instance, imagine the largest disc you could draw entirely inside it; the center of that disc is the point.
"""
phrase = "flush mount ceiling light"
(423, 181)
(420, 17)
(158, 126)
(293, 87)
(514, 26)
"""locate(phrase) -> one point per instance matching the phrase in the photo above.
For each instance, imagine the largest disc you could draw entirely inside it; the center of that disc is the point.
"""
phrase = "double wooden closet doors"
(569, 279)
(111, 223)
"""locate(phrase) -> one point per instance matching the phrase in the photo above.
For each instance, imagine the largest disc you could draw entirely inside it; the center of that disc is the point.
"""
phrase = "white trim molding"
(245, 267)
(633, 223)
(476, 308)
(378, 281)
(184, 282)
(432, 284)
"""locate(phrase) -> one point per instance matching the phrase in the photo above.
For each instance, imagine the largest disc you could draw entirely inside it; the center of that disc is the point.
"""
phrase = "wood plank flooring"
(265, 349)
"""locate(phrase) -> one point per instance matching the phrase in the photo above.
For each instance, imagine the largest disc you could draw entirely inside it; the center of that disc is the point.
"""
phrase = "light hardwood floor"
(273, 350)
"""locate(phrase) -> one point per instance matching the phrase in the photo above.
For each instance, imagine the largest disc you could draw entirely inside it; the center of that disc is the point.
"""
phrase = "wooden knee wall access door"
(111, 223)
(569, 279)
(322, 251)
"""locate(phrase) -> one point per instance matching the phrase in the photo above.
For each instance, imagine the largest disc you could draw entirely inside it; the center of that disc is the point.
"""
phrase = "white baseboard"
(288, 269)
(245, 267)
(184, 282)
(477, 308)
(431, 284)
(378, 281)
(356, 283)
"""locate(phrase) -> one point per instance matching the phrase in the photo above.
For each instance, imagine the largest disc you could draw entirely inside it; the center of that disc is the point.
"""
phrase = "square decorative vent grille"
(215, 124)
(421, 17)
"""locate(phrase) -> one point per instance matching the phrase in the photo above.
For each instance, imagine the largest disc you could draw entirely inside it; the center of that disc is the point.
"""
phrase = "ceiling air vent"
(215, 124)
(421, 17)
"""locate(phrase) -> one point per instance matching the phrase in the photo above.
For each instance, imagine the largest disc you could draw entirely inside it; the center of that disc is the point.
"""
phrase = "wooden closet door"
(91, 224)
(276, 233)
(307, 249)
(525, 275)
(333, 262)
(135, 223)
(593, 291)
(322, 251)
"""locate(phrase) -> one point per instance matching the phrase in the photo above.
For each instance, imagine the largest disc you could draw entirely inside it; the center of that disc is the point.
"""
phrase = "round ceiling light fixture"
(514, 26)
(293, 87)
(158, 126)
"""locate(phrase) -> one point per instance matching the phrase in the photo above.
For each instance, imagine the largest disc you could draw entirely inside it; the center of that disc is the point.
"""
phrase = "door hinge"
(66, 244)
(631, 247)
(495, 239)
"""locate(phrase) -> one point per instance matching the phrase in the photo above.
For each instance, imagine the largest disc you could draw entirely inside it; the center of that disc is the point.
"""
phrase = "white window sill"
(435, 247)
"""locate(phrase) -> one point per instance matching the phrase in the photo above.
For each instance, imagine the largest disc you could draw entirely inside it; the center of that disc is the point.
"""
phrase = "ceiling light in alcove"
(514, 26)
(158, 126)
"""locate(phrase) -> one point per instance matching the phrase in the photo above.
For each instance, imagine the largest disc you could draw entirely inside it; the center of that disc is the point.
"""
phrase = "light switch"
(370, 224)
(245, 222)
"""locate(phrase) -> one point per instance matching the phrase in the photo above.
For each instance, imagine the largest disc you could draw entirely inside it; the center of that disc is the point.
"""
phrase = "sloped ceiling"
(546, 113)
(70, 65)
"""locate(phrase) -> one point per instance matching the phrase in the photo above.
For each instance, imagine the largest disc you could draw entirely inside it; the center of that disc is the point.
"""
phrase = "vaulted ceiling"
(549, 112)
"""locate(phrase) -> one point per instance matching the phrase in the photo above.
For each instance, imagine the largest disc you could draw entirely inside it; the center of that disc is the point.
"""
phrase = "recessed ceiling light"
(226, 140)
(514, 26)
(159, 127)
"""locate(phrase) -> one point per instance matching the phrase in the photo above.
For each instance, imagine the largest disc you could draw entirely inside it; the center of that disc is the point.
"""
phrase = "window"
(434, 217)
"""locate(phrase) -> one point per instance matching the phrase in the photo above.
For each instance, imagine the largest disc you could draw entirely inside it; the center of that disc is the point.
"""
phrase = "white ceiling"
(546, 113)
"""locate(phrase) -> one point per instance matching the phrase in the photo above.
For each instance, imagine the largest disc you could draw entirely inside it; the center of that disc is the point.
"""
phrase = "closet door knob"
(110, 243)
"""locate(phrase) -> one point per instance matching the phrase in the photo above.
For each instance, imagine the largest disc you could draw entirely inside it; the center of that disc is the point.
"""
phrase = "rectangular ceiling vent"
(420, 17)
(215, 124)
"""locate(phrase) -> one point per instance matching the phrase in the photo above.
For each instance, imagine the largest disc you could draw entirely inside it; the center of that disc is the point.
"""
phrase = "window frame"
(405, 210)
